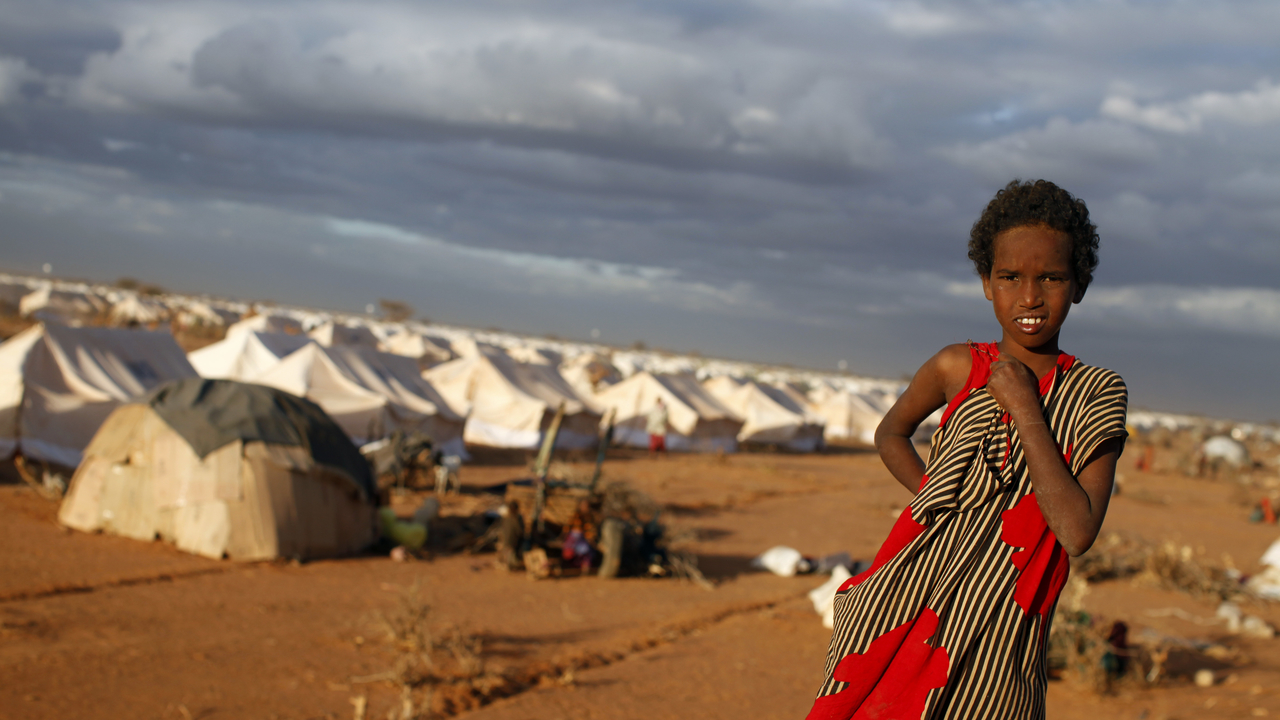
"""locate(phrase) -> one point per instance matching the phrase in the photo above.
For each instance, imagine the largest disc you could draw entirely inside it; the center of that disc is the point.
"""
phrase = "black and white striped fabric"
(952, 619)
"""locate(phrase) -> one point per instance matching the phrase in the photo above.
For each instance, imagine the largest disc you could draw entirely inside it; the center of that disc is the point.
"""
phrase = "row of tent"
(74, 304)
(78, 304)
(508, 399)
(58, 383)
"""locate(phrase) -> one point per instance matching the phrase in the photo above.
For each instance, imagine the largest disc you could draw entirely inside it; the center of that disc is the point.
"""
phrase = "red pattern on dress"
(1043, 563)
(904, 531)
(892, 679)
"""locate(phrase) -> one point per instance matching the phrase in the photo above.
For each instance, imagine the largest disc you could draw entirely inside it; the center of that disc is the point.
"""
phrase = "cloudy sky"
(771, 180)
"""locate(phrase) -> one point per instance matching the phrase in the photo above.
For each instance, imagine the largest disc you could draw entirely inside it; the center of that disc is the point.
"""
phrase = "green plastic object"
(411, 535)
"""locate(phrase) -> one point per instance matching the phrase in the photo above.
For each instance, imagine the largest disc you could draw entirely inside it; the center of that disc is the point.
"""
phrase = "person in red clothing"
(656, 425)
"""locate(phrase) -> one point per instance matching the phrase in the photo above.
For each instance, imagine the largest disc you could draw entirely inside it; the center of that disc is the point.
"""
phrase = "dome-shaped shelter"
(222, 468)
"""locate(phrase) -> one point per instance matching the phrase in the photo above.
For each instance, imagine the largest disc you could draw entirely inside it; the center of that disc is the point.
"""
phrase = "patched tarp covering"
(211, 413)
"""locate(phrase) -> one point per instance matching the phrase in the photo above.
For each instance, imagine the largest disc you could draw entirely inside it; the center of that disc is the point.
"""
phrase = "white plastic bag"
(823, 597)
(780, 560)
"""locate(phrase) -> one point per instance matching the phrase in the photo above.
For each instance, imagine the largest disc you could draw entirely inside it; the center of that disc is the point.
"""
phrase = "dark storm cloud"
(786, 181)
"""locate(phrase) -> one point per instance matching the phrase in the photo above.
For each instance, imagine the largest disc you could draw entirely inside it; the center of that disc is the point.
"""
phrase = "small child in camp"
(952, 619)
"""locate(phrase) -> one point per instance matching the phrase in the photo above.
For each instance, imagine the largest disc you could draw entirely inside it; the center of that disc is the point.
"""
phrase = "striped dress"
(952, 619)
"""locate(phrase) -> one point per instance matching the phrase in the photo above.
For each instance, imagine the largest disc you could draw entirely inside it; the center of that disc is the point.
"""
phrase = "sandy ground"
(101, 627)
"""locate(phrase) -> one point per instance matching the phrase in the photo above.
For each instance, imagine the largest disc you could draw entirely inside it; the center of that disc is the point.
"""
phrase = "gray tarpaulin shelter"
(222, 468)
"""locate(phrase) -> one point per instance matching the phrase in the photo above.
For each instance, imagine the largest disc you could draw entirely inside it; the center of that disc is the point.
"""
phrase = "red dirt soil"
(96, 627)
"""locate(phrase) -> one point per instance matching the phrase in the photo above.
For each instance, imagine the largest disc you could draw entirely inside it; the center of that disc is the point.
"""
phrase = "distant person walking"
(656, 426)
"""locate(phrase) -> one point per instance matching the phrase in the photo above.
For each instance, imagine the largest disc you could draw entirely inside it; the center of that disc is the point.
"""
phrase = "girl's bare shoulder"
(951, 366)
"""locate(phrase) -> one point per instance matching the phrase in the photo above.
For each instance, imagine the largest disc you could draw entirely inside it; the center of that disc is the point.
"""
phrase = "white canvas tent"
(426, 350)
(11, 294)
(198, 313)
(268, 324)
(698, 421)
(221, 468)
(511, 404)
(365, 392)
(331, 334)
(244, 355)
(132, 309)
(535, 355)
(61, 306)
(850, 416)
(467, 347)
(414, 403)
(590, 373)
(57, 384)
(771, 416)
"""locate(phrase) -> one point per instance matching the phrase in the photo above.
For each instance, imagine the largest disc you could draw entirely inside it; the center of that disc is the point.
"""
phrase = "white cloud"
(1132, 216)
(915, 20)
(1243, 310)
(1061, 150)
(583, 277)
(13, 73)
(350, 66)
(1259, 106)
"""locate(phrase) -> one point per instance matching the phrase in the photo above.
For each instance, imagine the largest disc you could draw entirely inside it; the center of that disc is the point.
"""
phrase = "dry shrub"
(1166, 566)
(1112, 558)
(439, 668)
(620, 499)
(1077, 648)
(682, 560)
(571, 473)
(1080, 645)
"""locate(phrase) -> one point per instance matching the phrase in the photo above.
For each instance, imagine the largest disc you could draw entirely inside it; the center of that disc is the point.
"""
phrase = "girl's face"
(1032, 286)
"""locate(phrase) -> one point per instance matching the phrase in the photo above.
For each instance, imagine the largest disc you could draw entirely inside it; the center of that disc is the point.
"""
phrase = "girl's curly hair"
(1022, 203)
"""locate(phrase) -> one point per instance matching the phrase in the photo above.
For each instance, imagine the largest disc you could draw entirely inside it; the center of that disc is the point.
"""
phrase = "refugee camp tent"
(222, 468)
(849, 416)
(770, 415)
(198, 313)
(465, 347)
(414, 404)
(244, 355)
(1225, 450)
(11, 293)
(511, 404)
(369, 394)
(134, 310)
(426, 350)
(697, 421)
(331, 334)
(267, 323)
(66, 307)
(535, 355)
(590, 373)
(57, 384)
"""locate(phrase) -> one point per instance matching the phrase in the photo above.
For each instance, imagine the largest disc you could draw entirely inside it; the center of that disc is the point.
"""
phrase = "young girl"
(952, 618)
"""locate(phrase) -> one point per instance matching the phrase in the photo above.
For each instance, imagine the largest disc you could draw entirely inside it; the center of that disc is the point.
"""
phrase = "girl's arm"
(941, 377)
(1073, 506)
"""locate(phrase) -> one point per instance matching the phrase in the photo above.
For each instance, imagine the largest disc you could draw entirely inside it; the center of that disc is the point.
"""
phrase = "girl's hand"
(1014, 386)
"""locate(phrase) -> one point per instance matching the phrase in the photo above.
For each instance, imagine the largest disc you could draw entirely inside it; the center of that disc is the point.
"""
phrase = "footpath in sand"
(96, 627)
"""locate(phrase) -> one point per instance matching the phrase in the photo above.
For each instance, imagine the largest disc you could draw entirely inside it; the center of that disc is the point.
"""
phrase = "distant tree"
(151, 290)
(395, 310)
(127, 283)
(639, 346)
